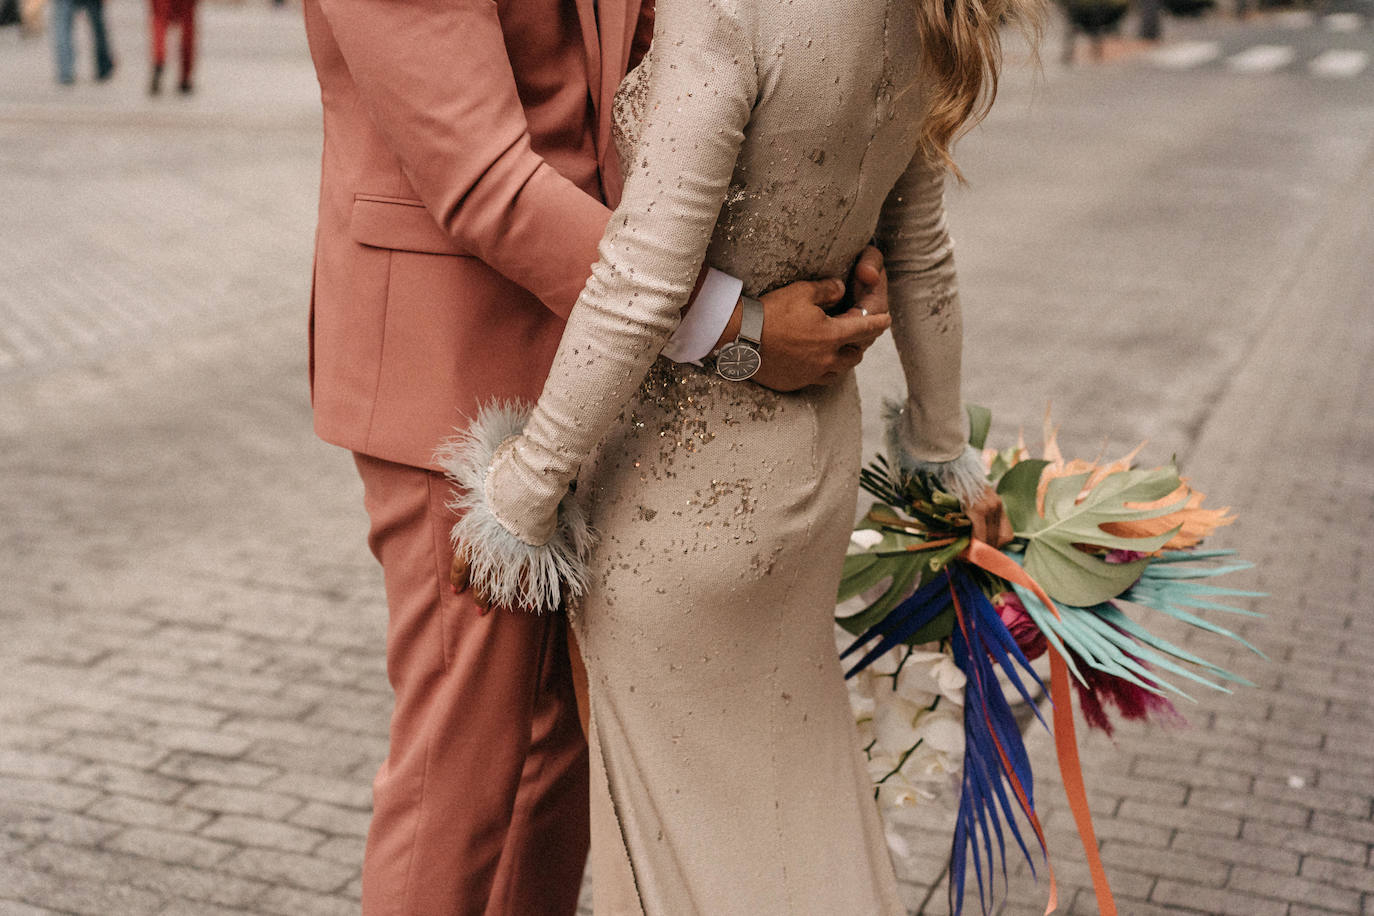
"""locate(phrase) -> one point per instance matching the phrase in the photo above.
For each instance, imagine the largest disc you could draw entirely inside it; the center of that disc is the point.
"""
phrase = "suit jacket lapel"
(617, 19)
(586, 16)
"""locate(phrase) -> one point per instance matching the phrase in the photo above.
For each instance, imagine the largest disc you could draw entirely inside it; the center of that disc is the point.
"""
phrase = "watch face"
(737, 362)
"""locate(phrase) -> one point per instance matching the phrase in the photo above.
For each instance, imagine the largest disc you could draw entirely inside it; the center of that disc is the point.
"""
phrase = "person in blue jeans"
(63, 13)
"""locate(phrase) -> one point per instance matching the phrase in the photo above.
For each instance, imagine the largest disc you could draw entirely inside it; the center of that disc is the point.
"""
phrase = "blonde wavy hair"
(962, 49)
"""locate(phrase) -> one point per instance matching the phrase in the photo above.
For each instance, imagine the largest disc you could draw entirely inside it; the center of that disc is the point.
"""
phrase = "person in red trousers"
(181, 13)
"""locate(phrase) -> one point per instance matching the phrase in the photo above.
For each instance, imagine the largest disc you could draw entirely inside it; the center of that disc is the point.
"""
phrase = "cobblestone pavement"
(192, 695)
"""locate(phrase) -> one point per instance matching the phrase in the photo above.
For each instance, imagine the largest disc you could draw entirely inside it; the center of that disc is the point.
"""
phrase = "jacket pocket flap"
(397, 223)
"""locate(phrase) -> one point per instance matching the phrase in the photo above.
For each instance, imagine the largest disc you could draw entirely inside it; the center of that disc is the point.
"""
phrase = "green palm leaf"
(905, 571)
(1053, 557)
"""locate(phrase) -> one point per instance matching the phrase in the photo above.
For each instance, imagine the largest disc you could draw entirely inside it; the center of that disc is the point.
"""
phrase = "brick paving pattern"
(192, 692)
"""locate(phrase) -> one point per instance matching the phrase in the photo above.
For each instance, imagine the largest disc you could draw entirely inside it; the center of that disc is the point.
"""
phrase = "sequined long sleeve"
(699, 101)
(928, 433)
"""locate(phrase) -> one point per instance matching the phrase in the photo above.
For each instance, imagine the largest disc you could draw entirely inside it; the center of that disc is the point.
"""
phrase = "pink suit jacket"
(467, 155)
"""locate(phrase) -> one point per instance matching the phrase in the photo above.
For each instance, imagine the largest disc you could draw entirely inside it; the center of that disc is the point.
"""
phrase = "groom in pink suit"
(468, 168)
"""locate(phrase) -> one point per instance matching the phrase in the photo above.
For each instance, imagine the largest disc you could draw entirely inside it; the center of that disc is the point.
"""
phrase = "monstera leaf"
(900, 558)
(1072, 518)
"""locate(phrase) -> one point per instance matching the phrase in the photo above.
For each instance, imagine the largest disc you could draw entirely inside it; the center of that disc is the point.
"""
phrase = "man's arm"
(436, 80)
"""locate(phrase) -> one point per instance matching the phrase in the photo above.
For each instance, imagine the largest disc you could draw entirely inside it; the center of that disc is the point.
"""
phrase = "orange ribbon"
(1065, 741)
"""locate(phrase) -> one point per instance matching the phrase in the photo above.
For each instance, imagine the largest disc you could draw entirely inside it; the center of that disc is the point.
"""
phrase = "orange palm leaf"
(1197, 522)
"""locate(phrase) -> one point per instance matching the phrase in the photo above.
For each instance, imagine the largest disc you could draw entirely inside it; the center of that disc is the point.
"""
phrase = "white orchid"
(908, 708)
(880, 765)
(933, 772)
(894, 725)
(865, 539)
(896, 843)
(926, 674)
(942, 730)
(866, 733)
(898, 793)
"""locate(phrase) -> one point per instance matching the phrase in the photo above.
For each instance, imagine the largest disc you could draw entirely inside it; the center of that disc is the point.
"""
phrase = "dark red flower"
(1133, 702)
(1027, 635)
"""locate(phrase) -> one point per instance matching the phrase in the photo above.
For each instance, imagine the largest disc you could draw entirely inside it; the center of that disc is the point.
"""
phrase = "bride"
(772, 139)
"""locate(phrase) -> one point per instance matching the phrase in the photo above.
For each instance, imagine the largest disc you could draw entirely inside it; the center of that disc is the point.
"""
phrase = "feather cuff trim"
(963, 476)
(512, 572)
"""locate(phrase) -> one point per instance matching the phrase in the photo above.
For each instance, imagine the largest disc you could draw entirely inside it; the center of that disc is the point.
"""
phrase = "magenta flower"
(1027, 635)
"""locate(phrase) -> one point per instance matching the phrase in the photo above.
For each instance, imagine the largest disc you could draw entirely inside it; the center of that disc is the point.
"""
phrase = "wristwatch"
(740, 359)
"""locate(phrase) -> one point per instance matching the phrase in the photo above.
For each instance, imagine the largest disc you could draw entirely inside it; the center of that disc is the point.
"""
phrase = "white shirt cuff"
(701, 327)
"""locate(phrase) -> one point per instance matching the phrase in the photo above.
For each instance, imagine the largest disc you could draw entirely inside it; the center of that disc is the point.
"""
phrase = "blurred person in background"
(63, 13)
(31, 11)
(181, 13)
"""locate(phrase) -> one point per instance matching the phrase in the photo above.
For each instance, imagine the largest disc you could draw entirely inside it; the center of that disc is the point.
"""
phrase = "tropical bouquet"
(944, 628)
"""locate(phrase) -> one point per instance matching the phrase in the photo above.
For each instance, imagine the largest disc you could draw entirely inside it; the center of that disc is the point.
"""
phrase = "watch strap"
(751, 321)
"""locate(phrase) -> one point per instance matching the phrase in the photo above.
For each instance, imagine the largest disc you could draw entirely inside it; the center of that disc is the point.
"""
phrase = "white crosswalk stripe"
(1185, 54)
(1343, 22)
(1338, 63)
(1295, 19)
(1333, 63)
(1261, 59)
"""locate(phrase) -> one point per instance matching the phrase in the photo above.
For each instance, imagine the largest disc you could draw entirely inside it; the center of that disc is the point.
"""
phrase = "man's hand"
(869, 282)
(802, 344)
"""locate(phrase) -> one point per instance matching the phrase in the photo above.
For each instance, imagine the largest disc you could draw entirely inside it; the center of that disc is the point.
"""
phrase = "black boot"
(155, 84)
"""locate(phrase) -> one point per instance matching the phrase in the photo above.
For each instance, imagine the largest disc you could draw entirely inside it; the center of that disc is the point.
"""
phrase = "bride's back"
(835, 121)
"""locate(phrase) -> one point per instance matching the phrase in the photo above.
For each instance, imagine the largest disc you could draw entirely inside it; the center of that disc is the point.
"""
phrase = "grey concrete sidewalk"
(192, 695)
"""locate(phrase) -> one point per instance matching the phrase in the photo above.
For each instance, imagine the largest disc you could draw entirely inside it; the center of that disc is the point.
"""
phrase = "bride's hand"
(990, 522)
(458, 579)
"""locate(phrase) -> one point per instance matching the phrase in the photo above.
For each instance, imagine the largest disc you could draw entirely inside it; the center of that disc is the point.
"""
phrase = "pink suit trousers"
(485, 732)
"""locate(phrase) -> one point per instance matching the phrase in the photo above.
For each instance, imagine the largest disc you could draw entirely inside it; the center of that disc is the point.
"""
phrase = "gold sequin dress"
(773, 140)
